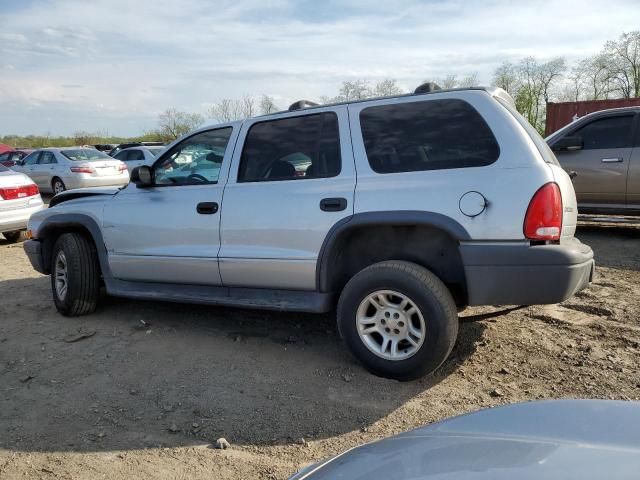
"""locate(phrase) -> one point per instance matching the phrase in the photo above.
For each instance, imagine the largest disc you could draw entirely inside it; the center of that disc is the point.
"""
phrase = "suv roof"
(493, 91)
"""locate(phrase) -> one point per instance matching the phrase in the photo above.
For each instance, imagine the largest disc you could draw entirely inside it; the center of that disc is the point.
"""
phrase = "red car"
(11, 157)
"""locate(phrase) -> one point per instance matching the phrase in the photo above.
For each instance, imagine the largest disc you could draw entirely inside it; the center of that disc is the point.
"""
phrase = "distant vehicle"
(9, 159)
(58, 169)
(552, 439)
(395, 212)
(19, 198)
(602, 152)
(122, 146)
(104, 147)
(135, 156)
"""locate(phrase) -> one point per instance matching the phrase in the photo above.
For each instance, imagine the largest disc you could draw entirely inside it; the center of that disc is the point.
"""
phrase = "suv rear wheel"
(398, 319)
(75, 280)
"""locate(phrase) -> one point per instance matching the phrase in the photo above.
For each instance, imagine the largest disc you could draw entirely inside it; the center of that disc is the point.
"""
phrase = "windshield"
(85, 155)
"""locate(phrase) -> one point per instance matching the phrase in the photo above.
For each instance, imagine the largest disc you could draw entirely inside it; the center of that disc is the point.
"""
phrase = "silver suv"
(396, 211)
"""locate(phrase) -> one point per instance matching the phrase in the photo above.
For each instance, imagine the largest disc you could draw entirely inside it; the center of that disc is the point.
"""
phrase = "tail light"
(83, 170)
(13, 193)
(122, 167)
(543, 220)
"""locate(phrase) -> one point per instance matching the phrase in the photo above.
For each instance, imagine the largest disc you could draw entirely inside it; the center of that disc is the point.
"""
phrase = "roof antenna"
(426, 88)
(300, 104)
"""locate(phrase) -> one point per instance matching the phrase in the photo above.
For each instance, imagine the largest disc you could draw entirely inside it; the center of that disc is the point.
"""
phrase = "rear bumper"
(17, 219)
(520, 274)
(85, 181)
(33, 249)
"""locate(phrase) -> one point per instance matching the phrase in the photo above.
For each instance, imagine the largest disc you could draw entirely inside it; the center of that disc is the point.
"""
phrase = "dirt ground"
(144, 389)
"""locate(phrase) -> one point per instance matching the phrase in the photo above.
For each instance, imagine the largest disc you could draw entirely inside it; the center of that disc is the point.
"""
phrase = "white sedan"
(19, 198)
(58, 169)
(135, 156)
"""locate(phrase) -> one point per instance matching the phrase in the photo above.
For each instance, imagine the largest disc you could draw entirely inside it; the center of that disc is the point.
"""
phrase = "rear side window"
(293, 148)
(612, 132)
(428, 135)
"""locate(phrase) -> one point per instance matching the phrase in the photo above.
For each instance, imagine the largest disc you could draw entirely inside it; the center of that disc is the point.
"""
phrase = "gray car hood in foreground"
(559, 439)
(82, 192)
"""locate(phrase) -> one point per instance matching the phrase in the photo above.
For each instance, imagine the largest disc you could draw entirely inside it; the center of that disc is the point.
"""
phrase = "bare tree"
(229, 110)
(592, 77)
(625, 63)
(173, 123)
(468, 81)
(450, 81)
(386, 88)
(81, 137)
(354, 90)
(506, 77)
(267, 105)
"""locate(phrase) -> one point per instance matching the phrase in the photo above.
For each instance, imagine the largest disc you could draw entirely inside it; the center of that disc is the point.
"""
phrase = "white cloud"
(133, 59)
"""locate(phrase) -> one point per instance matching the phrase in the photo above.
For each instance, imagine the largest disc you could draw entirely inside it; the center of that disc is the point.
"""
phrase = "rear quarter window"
(426, 135)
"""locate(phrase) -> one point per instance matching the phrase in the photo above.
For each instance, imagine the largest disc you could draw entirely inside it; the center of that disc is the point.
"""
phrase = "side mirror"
(568, 143)
(142, 176)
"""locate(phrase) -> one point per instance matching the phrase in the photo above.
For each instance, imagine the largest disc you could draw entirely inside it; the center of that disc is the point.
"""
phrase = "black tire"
(83, 275)
(429, 295)
(56, 181)
(15, 236)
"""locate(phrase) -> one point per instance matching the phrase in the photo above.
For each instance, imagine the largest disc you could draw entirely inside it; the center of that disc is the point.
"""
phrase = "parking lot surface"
(144, 389)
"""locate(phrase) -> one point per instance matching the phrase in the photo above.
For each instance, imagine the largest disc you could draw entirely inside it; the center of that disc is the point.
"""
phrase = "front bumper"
(522, 274)
(33, 249)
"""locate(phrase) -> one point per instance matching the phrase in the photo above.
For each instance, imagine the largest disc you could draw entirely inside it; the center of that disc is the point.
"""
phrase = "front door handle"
(612, 160)
(333, 204)
(207, 208)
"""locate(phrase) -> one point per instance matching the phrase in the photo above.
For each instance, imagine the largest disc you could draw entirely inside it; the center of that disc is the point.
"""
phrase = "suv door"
(633, 182)
(603, 161)
(291, 180)
(169, 232)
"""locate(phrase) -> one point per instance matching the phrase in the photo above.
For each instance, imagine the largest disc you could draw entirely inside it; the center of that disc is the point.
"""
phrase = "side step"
(258, 298)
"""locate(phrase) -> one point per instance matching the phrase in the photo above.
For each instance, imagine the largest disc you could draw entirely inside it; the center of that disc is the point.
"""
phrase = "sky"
(113, 65)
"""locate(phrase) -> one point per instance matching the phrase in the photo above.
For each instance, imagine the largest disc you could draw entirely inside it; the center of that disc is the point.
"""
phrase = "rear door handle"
(207, 208)
(333, 204)
(612, 160)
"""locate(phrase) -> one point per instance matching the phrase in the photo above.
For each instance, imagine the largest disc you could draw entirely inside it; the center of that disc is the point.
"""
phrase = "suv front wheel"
(75, 278)
(398, 319)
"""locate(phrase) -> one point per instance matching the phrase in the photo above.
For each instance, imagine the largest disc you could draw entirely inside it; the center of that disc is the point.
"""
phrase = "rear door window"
(427, 135)
(293, 148)
(611, 132)
(47, 158)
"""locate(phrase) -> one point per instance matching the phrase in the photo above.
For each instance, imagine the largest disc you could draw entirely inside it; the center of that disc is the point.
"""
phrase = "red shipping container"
(561, 114)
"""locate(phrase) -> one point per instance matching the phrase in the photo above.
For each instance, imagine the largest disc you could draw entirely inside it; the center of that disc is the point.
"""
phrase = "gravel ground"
(144, 389)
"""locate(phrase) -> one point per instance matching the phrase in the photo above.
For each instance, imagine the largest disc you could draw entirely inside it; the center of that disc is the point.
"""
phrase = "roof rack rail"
(426, 88)
(300, 104)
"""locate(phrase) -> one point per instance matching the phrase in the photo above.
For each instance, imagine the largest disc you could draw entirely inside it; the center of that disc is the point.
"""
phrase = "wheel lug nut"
(383, 321)
(395, 315)
(401, 324)
(387, 329)
(386, 314)
(396, 331)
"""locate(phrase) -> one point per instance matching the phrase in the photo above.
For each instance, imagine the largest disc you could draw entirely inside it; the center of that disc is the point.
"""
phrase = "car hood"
(82, 192)
(538, 440)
